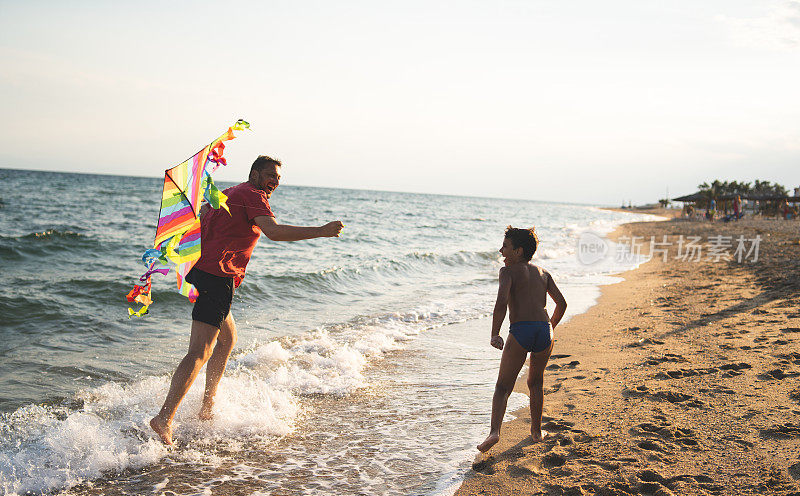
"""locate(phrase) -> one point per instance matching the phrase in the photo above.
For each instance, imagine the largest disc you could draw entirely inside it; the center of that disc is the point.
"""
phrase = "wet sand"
(683, 379)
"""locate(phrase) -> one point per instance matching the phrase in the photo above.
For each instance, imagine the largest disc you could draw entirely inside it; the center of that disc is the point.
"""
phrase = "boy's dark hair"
(525, 239)
(262, 162)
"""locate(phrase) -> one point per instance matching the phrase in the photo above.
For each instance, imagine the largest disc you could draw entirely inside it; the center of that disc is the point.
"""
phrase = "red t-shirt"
(227, 241)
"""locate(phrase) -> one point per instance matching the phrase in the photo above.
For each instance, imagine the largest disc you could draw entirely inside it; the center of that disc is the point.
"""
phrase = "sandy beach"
(681, 380)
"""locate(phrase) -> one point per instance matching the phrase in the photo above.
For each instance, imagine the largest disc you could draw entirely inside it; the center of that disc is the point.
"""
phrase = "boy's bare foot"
(489, 442)
(163, 430)
(206, 412)
(538, 435)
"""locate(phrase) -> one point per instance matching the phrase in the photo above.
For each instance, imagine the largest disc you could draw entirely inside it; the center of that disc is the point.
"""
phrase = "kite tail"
(178, 233)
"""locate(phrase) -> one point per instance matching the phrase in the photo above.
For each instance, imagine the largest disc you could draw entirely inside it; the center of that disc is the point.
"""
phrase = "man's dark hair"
(262, 162)
(525, 239)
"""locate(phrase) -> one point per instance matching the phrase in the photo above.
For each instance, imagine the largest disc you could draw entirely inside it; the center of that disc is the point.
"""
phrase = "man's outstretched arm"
(284, 232)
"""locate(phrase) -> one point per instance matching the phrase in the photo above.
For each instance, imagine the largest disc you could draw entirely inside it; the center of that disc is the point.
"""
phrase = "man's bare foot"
(206, 412)
(489, 442)
(538, 435)
(163, 430)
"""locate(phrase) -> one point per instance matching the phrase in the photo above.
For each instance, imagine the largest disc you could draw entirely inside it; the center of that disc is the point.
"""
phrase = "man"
(227, 241)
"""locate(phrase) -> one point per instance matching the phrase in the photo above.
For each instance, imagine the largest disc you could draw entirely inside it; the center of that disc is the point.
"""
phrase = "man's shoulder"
(245, 189)
(245, 186)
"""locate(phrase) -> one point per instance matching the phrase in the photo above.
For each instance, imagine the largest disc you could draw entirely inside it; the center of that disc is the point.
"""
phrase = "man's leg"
(535, 382)
(201, 344)
(216, 364)
(510, 364)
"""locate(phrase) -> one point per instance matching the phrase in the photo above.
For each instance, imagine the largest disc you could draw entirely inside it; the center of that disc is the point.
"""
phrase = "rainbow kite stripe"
(177, 239)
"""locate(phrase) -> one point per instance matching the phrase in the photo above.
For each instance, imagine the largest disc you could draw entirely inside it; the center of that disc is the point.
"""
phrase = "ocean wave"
(261, 396)
(51, 242)
(17, 310)
(341, 280)
(51, 233)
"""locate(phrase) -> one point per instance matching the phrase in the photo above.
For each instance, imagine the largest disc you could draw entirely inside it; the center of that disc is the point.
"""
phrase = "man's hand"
(332, 229)
(497, 342)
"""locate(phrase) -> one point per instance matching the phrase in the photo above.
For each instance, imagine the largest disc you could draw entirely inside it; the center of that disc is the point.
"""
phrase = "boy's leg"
(510, 364)
(535, 382)
(216, 364)
(201, 344)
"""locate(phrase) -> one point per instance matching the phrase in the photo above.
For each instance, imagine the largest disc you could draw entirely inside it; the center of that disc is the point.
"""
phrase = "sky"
(573, 101)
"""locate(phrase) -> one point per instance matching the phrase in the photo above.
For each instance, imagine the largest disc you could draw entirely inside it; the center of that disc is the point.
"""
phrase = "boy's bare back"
(528, 294)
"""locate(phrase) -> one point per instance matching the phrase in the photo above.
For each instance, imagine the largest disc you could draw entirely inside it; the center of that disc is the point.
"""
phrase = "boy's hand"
(497, 342)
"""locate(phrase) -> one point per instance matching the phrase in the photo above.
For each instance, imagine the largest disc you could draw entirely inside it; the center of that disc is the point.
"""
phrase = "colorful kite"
(178, 233)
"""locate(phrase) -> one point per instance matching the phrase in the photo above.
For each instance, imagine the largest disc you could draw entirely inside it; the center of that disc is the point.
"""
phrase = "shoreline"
(664, 386)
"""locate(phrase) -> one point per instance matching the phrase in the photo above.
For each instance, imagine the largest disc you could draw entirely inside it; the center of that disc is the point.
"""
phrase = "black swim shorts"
(216, 294)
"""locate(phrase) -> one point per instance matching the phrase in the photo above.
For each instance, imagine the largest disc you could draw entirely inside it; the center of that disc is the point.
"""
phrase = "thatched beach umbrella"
(763, 197)
(691, 198)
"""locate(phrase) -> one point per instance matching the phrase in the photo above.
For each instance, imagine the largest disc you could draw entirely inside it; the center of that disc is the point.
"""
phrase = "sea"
(363, 365)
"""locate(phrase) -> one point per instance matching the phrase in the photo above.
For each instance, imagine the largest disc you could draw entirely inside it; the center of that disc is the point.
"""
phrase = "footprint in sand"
(663, 432)
(794, 470)
(525, 469)
(723, 390)
(651, 476)
(651, 445)
(552, 389)
(793, 357)
(735, 366)
(665, 357)
(557, 425)
(644, 342)
(777, 374)
(637, 392)
(729, 368)
(782, 431)
(554, 459)
(678, 398)
(739, 441)
(681, 484)
(484, 465)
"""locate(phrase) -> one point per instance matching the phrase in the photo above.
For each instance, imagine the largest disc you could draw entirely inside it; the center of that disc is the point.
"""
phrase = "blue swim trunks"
(533, 335)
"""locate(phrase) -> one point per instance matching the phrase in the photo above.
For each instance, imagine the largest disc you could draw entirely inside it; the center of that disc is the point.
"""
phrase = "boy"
(523, 288)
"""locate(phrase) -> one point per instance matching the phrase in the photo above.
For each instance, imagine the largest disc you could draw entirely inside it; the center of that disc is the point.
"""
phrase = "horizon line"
(597, 205)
